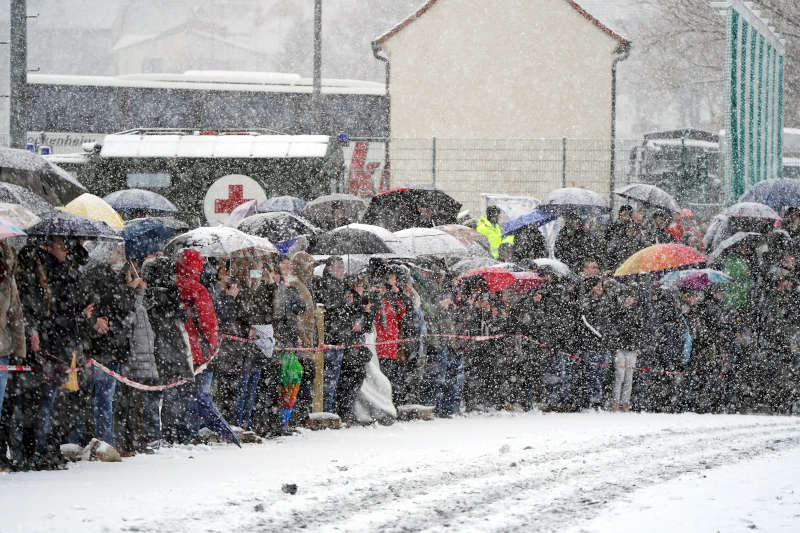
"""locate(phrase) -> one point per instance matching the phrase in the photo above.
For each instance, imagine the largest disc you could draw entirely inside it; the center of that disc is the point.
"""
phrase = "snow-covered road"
(500, 472)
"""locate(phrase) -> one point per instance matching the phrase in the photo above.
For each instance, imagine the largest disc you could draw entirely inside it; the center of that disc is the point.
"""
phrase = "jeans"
(47, 399)
(449, 382)
(3, 380)
(104, 387)
(557, 380)
(248, 384)
(595, 372)
(333, 368)
(194, 419)
(623, 377)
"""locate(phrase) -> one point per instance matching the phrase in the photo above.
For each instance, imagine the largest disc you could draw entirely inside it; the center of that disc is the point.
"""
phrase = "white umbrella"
(218, 241)
(430, 241)
(241, 212)
(397, 245)
(751, 210)
(18, 215)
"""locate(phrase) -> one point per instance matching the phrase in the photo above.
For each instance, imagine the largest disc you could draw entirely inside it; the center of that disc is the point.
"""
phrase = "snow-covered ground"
(497, 472)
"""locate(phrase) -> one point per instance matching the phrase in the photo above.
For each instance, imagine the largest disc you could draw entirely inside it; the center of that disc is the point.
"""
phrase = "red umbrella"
(525, 281)
(498, 279)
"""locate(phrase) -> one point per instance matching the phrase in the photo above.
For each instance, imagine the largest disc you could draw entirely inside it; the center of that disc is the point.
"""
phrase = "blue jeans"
(248, 384)
(47, 399)
(595, 376)
(557, 380)
(3, 381)
(104, 387)
(449, 382)
(202, 384)
(152, 415)
(333, 368)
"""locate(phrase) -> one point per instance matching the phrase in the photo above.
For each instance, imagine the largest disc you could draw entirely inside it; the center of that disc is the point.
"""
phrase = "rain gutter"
(380, 55)
(622, 53)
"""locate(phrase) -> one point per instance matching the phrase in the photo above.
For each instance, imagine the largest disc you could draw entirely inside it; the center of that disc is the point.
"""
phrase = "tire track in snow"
(403, 501)
(476, 499)
(453, 493)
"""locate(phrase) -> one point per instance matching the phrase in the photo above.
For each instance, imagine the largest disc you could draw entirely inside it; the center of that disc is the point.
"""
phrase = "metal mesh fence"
(467, 169)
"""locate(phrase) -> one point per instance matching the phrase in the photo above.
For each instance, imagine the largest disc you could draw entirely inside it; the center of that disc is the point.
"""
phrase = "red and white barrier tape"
(200, 369)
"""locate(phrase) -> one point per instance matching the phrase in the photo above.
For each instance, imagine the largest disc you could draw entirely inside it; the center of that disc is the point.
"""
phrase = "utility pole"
(18, 74)
(317, 86)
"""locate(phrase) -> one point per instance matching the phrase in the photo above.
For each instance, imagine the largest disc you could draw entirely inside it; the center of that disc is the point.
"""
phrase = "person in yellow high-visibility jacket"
(488, 226)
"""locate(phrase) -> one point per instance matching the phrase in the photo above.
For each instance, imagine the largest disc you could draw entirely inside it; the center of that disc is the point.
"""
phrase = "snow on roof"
(217, 81)
(688, 142)
(130, 144)
(421, 11)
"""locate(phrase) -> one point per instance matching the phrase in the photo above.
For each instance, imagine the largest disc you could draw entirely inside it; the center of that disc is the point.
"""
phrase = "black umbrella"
(36, 173)
(650, 195)
(320, 210)
(68, 225)
(277, 226)
(347, 241)
(743, 238)
(396, 209)
(16, 194)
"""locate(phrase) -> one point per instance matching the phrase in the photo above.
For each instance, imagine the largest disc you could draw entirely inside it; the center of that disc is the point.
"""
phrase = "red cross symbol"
(235, 198)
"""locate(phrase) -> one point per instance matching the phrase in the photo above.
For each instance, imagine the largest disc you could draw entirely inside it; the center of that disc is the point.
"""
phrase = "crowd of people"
(578, 340)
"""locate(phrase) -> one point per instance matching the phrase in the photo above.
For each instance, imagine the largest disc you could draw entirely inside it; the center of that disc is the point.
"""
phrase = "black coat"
(529, 244)
(115, 301)
(626, 330)
(330, 293)
(574, 246)
(173, 354)
(51, 300)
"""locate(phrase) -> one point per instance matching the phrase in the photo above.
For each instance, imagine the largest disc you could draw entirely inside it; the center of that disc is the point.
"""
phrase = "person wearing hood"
(201, 326)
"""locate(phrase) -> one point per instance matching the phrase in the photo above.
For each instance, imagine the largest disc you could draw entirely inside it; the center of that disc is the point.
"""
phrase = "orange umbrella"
(660, 257)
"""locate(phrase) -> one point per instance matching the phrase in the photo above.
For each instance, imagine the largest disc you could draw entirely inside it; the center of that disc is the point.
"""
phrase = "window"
(149, 180)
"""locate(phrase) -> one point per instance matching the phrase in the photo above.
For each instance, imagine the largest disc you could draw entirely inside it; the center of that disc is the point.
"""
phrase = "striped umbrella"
(660, 257)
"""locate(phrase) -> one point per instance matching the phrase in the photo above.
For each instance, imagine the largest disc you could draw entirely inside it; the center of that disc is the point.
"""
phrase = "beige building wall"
(506, 69)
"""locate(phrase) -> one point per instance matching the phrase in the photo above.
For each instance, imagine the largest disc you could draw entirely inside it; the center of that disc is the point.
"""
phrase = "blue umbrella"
(211, 418)
(283, 246)
(140, 200)
(292, 204)
(694, 277)
(145, 236)
(776, 193)
(515, 224)
(62, 224)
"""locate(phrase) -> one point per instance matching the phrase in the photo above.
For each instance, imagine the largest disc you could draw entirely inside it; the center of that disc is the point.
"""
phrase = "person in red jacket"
(388, 319)
(201, 324)
(201, 328)
(684, 222)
